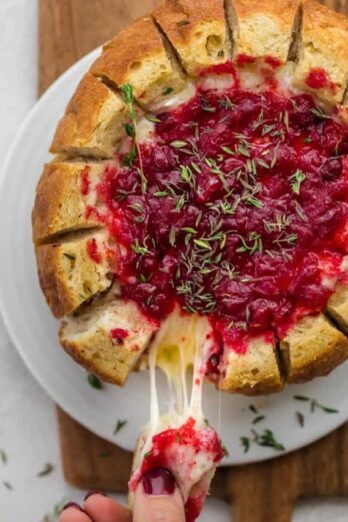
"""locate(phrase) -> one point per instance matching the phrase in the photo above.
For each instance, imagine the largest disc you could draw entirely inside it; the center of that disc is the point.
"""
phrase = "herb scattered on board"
(265, 439)
(258, 417)
(300, 418)
(314, 404)
(3, 456)
(119, 425)
(7, 485)
(46, 470)
(94, 381)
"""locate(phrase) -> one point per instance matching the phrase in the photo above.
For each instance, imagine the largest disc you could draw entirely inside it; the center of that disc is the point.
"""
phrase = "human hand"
(157, 499)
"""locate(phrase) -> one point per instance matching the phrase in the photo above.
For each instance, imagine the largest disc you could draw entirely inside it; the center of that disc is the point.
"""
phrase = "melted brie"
(182, 345)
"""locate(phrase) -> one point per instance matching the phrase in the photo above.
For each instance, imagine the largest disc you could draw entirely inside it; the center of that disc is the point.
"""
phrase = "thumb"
(158, 499)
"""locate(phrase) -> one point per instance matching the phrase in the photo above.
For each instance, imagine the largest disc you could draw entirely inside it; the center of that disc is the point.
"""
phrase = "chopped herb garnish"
(3, 456)
(300, 418)
(267, 439)
(7, 485)
(167, 90)
(296, 179)
(94, 381)
(119, 425)
(139, 249)
(307, 140)
(245, 441)
(227, 150)
(130, 130)
(46, 470)
(71, 257)
(152, 118)
(314, 404)
(201, 243)
(319, 113)
(178, 144)
(258, 419)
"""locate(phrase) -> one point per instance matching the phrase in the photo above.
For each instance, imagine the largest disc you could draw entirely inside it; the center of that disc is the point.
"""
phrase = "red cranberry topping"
(119, 335)
(92, 249)
(240, 199)
(318, 78)
(85, 183)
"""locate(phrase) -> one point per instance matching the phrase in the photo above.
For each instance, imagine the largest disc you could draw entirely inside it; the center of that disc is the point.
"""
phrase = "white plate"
(34, 331)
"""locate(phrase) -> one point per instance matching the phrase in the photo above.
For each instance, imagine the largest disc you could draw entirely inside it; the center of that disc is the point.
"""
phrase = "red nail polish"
(73, 505)
(158, 482)
(95, 492)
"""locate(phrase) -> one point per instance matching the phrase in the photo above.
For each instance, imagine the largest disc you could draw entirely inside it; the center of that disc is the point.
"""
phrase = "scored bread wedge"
(263, 28)
(64, 193)
(93, 122)
(323, 52)
(337, 307)
(139, 56)
(108, 339)
(312, 348)
(253, 372)
(74, 270)
(197, 30)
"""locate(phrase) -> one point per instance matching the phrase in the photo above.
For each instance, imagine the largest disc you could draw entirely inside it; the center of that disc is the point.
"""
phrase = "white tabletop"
(28, 431)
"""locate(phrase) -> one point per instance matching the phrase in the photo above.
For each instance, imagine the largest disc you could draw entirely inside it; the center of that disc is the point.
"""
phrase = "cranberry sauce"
(235, 209)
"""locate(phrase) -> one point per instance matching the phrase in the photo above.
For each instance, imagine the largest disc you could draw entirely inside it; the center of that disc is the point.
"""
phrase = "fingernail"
(73, 505)
(95, 492)
(158, 482)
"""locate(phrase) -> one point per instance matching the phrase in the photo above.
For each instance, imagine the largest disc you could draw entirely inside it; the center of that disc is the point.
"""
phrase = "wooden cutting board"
(264, 492)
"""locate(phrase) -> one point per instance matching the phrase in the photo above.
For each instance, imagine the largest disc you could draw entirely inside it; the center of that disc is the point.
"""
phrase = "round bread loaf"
(202, 164)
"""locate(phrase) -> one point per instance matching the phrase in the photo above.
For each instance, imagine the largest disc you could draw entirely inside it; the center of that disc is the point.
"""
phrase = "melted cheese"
(182, 345)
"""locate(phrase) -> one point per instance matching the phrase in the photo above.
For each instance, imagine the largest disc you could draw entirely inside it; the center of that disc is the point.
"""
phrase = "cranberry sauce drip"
(237, 213)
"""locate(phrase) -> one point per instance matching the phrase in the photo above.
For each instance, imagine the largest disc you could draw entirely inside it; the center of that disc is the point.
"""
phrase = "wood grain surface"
(263, 492)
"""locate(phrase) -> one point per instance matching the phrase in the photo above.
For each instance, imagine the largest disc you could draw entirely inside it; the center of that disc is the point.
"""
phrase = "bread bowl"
(199, 184)
(181, 52)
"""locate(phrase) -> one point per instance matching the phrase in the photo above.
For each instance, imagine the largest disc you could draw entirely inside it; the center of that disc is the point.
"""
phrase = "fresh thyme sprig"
(130, 127)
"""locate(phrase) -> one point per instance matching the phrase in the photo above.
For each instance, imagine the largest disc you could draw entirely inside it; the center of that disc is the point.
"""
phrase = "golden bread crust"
(312, 348)
(197, 30)
(323, 46)
(67, 274)
(264, 27)
(93, 121)
(93, 127)
(137, 55)
(254, 372)
(337, 307)
(88, 339)
(60, 205)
